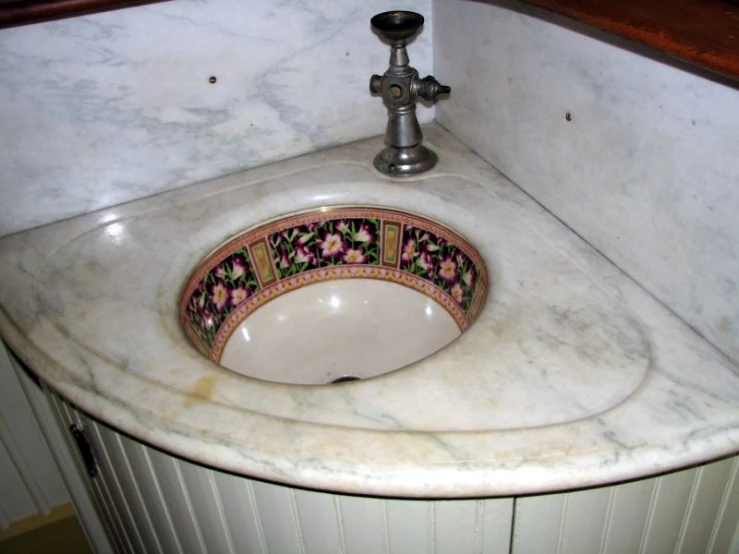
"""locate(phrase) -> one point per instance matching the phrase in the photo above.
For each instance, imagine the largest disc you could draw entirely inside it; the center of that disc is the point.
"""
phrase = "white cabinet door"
(153, 502)
(686, 512)
(96, 487)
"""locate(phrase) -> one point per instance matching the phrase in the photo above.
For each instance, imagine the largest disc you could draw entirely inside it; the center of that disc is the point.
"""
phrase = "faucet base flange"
(405, 161)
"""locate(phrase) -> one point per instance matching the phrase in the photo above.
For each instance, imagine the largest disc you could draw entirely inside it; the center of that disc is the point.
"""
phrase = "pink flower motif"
(460, 258)
(409, 251)
(364, 234)
(284, 262)
(283, 237)
(448, 269)
(221, 272)
(355, 256)
(332, 245)
(302, 239)
(425, 262)
(457, 294)
(304, 256)
(238, 295)
(198, 297)
(432, 246)
(343, 226)
(237, 268)
(219, 295)
(469, 277)
(208, 319)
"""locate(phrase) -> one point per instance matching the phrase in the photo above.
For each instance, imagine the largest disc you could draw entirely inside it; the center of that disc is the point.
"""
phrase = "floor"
(57, 533)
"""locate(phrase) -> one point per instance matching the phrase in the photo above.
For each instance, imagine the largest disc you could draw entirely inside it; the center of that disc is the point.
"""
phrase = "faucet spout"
(400, 88)
(429, 88)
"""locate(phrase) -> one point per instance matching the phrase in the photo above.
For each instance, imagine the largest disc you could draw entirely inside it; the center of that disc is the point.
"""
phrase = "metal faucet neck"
(399, 55)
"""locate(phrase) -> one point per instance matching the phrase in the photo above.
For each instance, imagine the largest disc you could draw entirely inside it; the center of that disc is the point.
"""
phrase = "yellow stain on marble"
(201, 390)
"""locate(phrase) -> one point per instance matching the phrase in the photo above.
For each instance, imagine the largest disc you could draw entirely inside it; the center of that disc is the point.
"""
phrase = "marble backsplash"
(102, 109)
(646, 169)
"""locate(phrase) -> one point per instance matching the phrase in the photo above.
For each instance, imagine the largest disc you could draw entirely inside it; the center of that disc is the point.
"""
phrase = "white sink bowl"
(333, 295)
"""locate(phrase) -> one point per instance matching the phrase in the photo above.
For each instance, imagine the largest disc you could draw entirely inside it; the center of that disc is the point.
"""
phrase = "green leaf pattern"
(441, 262)
(325, 244)
(321, 244)
(219, 293)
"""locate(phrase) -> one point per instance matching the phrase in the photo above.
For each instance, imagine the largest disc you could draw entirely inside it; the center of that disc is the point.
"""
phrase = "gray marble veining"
(572, 376)
(103, 109)
(647, 170)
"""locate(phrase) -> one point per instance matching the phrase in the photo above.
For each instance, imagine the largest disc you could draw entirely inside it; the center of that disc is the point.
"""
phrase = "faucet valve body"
(400, 88)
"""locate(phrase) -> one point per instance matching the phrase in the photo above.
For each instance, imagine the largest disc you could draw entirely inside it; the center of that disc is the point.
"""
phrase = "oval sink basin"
(333, 295)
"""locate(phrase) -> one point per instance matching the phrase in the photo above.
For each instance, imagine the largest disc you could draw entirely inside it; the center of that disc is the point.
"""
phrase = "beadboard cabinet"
(41, 472)
(30, 483)
(151, 501)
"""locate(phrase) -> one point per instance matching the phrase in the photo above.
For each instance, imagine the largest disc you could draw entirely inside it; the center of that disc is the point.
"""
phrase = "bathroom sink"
(567, 375)
(536, 351)
(333, 295)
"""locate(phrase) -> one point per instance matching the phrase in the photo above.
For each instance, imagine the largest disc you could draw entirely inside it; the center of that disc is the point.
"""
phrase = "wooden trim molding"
(24, 12)
(702, 32)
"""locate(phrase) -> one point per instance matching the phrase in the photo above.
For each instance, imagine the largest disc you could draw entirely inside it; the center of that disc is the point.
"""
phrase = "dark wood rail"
(702, 32)
(23, 12)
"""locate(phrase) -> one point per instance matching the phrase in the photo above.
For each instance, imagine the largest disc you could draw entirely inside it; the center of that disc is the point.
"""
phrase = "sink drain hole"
(344, 379)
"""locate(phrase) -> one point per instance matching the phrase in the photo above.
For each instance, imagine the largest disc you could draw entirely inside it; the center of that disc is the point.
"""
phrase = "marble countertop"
(572, 376)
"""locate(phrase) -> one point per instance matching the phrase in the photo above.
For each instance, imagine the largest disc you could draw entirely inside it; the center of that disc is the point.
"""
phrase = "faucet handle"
(376, 84)
(397, 25)
(429, 88)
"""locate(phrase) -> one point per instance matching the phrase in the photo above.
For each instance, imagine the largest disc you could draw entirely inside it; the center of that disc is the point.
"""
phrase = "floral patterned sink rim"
(297, 250)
